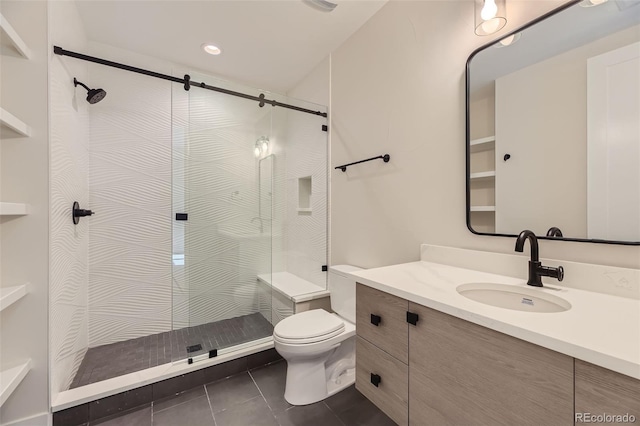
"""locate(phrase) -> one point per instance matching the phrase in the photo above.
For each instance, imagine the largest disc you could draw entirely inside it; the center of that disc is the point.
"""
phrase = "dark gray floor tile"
(133, 418)
(164, 403)
(194, 412)
(235, 390)
(271, 380)
(365, 413)
(149, 351)
(317, 414)
(262, 358)
(254, 412)
(345, 399)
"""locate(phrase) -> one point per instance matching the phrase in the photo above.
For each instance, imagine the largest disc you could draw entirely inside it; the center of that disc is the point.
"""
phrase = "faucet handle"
(549, 271)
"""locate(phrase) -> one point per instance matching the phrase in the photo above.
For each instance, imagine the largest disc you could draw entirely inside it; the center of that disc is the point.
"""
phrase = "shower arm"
(76, 83)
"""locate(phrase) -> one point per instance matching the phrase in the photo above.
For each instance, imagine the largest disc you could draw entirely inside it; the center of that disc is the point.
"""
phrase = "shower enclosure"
(202, 200)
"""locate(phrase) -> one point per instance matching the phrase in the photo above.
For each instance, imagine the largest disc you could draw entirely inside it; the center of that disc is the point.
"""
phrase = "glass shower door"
(222, 230)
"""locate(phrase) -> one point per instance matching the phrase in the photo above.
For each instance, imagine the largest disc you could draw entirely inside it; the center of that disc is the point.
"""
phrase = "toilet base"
(308, 384)
(314, 378)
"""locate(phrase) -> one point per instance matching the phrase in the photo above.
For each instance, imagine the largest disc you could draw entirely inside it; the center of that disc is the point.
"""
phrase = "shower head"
(93, 95)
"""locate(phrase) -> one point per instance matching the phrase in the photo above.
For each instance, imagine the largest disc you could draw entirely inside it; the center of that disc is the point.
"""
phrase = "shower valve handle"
(78, 212)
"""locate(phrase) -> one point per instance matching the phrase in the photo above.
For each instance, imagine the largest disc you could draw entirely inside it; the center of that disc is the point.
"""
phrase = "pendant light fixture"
(490, 16)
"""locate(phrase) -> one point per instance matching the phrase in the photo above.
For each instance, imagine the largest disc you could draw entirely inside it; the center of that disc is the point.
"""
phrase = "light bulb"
(264, 146)
(489, 10)
(256, 151)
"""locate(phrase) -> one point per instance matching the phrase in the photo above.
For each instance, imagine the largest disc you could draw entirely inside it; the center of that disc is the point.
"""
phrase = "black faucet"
(536, 270)
(554, 231)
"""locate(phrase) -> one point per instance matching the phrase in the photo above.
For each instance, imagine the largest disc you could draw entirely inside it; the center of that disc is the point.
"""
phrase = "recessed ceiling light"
(211, 49)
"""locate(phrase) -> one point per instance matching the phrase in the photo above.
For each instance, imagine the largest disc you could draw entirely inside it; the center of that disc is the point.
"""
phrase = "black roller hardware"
(77, 212)
(506, 157)
(412, 318)
(375, 319)
(375, 380)
(182, 216)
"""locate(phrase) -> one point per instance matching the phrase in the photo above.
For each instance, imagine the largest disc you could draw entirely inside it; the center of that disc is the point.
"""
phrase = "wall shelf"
(14, 123)
(11, 378)
(482, 144)
(483, 208)
(13, 209)
(12, 35)
(9, 295)
(483, 175)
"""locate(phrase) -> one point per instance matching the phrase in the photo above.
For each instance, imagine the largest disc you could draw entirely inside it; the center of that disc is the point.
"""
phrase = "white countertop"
(599, 328)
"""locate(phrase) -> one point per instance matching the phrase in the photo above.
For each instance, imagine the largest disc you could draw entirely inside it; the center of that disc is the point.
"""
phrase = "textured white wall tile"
(130, 257)
(69, 182)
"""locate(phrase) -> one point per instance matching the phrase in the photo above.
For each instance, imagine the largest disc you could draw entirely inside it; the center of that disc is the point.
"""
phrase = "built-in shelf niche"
(10, 39)
(11, 378)
(13, 123)
(10, 295)
(304, 195)
(13, 209)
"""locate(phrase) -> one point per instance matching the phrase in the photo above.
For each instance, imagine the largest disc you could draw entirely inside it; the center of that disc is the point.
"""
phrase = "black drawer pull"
(375, 319)
(412, 318)
(375, 380)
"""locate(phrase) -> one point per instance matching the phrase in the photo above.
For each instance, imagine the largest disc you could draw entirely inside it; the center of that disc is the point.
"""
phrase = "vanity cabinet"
(600, 391)
(382, 351)
(443, 370)
(461, 373)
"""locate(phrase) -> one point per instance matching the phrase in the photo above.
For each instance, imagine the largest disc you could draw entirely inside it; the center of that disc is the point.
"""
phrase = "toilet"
(319, 346)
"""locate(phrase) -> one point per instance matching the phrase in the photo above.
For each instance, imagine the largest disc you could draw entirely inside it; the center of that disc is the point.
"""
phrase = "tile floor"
(149, 351)
(253, 398)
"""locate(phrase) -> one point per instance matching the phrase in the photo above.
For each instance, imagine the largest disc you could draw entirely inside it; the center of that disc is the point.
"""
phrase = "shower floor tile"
(116, 359)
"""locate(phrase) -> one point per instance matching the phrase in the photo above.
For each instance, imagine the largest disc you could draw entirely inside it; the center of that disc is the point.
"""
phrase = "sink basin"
(515, 298)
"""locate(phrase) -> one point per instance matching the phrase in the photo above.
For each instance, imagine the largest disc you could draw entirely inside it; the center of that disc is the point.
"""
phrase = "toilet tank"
(343, 291)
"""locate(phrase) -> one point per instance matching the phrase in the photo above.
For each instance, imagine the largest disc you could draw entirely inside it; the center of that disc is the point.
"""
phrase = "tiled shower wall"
(306, 232)
(130, 191)
(69, 182)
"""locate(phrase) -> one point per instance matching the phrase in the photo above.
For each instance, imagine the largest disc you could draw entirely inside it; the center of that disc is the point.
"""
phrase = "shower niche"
(304, 195)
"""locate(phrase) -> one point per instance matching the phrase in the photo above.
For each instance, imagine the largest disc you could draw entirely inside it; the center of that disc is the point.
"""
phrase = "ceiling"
(268, 44)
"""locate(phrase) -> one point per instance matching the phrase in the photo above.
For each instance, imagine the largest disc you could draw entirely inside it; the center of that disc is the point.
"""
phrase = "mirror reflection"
(554, 126)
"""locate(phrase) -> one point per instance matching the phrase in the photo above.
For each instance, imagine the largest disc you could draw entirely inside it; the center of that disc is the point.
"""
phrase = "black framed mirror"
(553, 127)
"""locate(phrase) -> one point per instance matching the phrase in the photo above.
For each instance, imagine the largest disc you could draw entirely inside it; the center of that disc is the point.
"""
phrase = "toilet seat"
(308, 327)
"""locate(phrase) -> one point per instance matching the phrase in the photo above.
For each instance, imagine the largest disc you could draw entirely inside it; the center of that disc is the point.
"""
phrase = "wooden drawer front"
(465, 374)
(601, 391)
(391, 334)
(391, 393)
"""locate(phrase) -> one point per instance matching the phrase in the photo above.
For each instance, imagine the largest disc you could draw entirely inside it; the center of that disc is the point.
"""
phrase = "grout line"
(206, 392)
(265, 399)
(334, 413)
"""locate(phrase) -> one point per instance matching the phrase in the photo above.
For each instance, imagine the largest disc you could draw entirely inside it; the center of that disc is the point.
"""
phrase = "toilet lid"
(308, 325)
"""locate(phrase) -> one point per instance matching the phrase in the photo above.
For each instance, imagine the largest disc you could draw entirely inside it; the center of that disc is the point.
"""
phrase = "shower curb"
(120, 403)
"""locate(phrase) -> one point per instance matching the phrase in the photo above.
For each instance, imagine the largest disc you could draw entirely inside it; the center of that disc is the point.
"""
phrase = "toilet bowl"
(319, 346)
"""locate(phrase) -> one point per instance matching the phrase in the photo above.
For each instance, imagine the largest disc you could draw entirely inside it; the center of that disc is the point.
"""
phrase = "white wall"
(69, 182)
(398, 88)
(24, 179)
